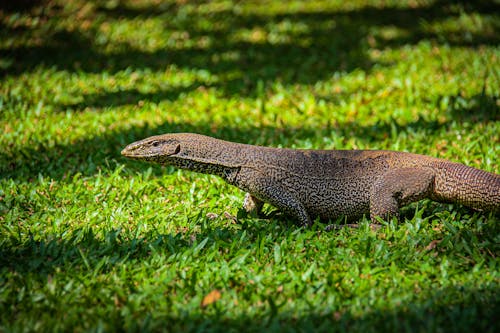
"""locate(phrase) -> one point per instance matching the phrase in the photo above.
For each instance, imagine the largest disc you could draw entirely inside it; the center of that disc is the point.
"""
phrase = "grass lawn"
(90, 241)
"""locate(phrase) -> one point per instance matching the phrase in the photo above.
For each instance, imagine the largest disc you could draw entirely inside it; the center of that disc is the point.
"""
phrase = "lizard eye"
(155, 143)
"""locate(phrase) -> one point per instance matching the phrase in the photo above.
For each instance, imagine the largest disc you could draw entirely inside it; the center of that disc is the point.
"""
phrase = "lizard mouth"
(136, 150)
(131, 151)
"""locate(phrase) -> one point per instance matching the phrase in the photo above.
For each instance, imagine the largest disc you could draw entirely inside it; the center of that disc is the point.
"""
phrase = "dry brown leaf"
(432, 245)
(210, 298)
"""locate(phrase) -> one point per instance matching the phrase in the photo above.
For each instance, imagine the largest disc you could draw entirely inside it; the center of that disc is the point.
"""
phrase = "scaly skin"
(324, 183)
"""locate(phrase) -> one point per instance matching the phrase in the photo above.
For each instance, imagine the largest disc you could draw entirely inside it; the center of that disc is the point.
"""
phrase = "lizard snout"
(131, 150)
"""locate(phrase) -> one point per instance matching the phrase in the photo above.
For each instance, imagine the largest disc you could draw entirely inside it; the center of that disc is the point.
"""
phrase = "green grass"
(90, 241)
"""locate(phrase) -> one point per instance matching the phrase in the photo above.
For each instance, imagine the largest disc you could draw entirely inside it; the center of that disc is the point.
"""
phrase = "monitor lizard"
(307, 184)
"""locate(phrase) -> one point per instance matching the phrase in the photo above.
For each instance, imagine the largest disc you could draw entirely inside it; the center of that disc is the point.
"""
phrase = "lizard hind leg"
(397, 188)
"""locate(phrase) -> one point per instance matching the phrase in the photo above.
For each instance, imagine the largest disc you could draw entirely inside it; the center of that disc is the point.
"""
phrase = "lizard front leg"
(287, 203)
(264, 189)
(397, 188)
(253, 205)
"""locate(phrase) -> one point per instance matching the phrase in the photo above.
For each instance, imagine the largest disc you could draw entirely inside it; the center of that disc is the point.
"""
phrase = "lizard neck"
(206, 165)
(217, 157)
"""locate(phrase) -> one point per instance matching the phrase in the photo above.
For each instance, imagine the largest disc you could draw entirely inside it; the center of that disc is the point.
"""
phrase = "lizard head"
(155, 148)
(184, 150)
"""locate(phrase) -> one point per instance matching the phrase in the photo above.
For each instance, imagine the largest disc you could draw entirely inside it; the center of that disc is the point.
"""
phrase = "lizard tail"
(471, 187)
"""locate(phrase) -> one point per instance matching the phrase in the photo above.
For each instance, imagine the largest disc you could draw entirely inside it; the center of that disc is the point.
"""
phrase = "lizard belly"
(323, 197)
(332, 198)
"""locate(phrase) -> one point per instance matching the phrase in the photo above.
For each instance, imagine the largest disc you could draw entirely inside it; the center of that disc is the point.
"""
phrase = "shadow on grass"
(328, 41)
(476, 310)
(129, 97)
(478, 108)
(91, 155)
(20, 5)
(469, 308)
(84, 249)
(324, 42)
